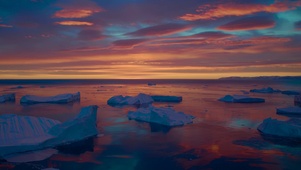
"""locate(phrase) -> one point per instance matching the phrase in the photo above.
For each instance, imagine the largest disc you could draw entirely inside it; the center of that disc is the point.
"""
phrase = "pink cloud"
(159, 30)
(213, 35)
(128, 43)
(251, 23)
(213, 11)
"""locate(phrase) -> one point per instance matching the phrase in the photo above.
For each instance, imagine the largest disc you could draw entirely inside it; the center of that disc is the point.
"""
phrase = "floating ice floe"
(26, 133)
(158, 98)
(285, 129)
(7, 97)
(61, 98)
(240, 99)
(289, 111)
(265, 90)
(289, 92)
(164, 116)
(151, 84)
(297, 100)
(140, 99)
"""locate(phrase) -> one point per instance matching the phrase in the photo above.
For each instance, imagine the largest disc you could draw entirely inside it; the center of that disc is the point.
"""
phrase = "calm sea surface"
(222, 136)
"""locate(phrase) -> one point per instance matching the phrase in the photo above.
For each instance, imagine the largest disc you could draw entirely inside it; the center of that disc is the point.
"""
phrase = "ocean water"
(222, 136)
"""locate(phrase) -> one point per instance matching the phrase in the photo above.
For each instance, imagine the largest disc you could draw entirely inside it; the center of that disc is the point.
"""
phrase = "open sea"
(222, 136)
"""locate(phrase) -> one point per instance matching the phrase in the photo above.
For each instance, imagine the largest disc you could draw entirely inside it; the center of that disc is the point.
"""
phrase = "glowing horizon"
(149, 39)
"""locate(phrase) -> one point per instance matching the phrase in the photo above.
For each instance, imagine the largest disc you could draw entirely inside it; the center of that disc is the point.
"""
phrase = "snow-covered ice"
(7, 97)
(287, 129)
(240, 99)
(164, 116)
(289, 111)
(160, 98)
(265, 90)
(27, 133)
(140, 99)
(290, 92)
(61, 98)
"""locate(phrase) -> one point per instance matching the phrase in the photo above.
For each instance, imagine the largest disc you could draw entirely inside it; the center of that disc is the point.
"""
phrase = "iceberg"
(7, 97)
(290, 92)
(163, 116)
(158, 98)
(61, 98)
(289, 111)
(297, 100)
(240, 99)
(140, 99)
(265, 90)
(284, 129)
(26, 133)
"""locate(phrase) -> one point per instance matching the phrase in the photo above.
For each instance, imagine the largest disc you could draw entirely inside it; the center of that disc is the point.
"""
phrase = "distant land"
(263, 78)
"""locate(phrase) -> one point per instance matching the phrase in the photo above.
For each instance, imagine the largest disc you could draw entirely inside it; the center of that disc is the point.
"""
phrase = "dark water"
(223, 135)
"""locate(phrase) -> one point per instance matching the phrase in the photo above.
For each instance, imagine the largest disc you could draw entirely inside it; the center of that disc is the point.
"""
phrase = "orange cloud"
(78, 9)
(73, 13)
(75, 23)
(211, 11)
(251, 23)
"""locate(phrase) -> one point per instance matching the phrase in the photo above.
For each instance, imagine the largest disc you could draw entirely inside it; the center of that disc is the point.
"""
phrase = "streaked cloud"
(90, 35)
(128, 43)
(74, 23)
(250, 23)
(160, 30)
(213, 11)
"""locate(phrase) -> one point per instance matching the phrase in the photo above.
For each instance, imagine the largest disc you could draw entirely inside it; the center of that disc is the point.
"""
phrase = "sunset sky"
(150, 39)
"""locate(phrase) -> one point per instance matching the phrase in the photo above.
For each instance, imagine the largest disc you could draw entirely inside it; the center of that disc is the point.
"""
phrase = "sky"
(149, 39)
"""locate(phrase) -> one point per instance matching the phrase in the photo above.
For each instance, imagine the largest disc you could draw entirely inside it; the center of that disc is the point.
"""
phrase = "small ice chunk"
(265, 90)
(159, 98)
(287, 129)
(7, 97)
(151, 84)
(140, 99)
(164, 116)
(290, 92)
(289, 111)
(240, 99)
(61, 98)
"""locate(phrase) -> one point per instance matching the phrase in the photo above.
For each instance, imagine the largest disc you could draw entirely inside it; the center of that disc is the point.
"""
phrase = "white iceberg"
(159, 98)
(61, 98)
(240, 99)
(151, 84)
(7, 97)
(164, 116)
(290, 92)
(26, 133)
(265, 90)
(287, 129)
(140, 99)
(289, 111)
